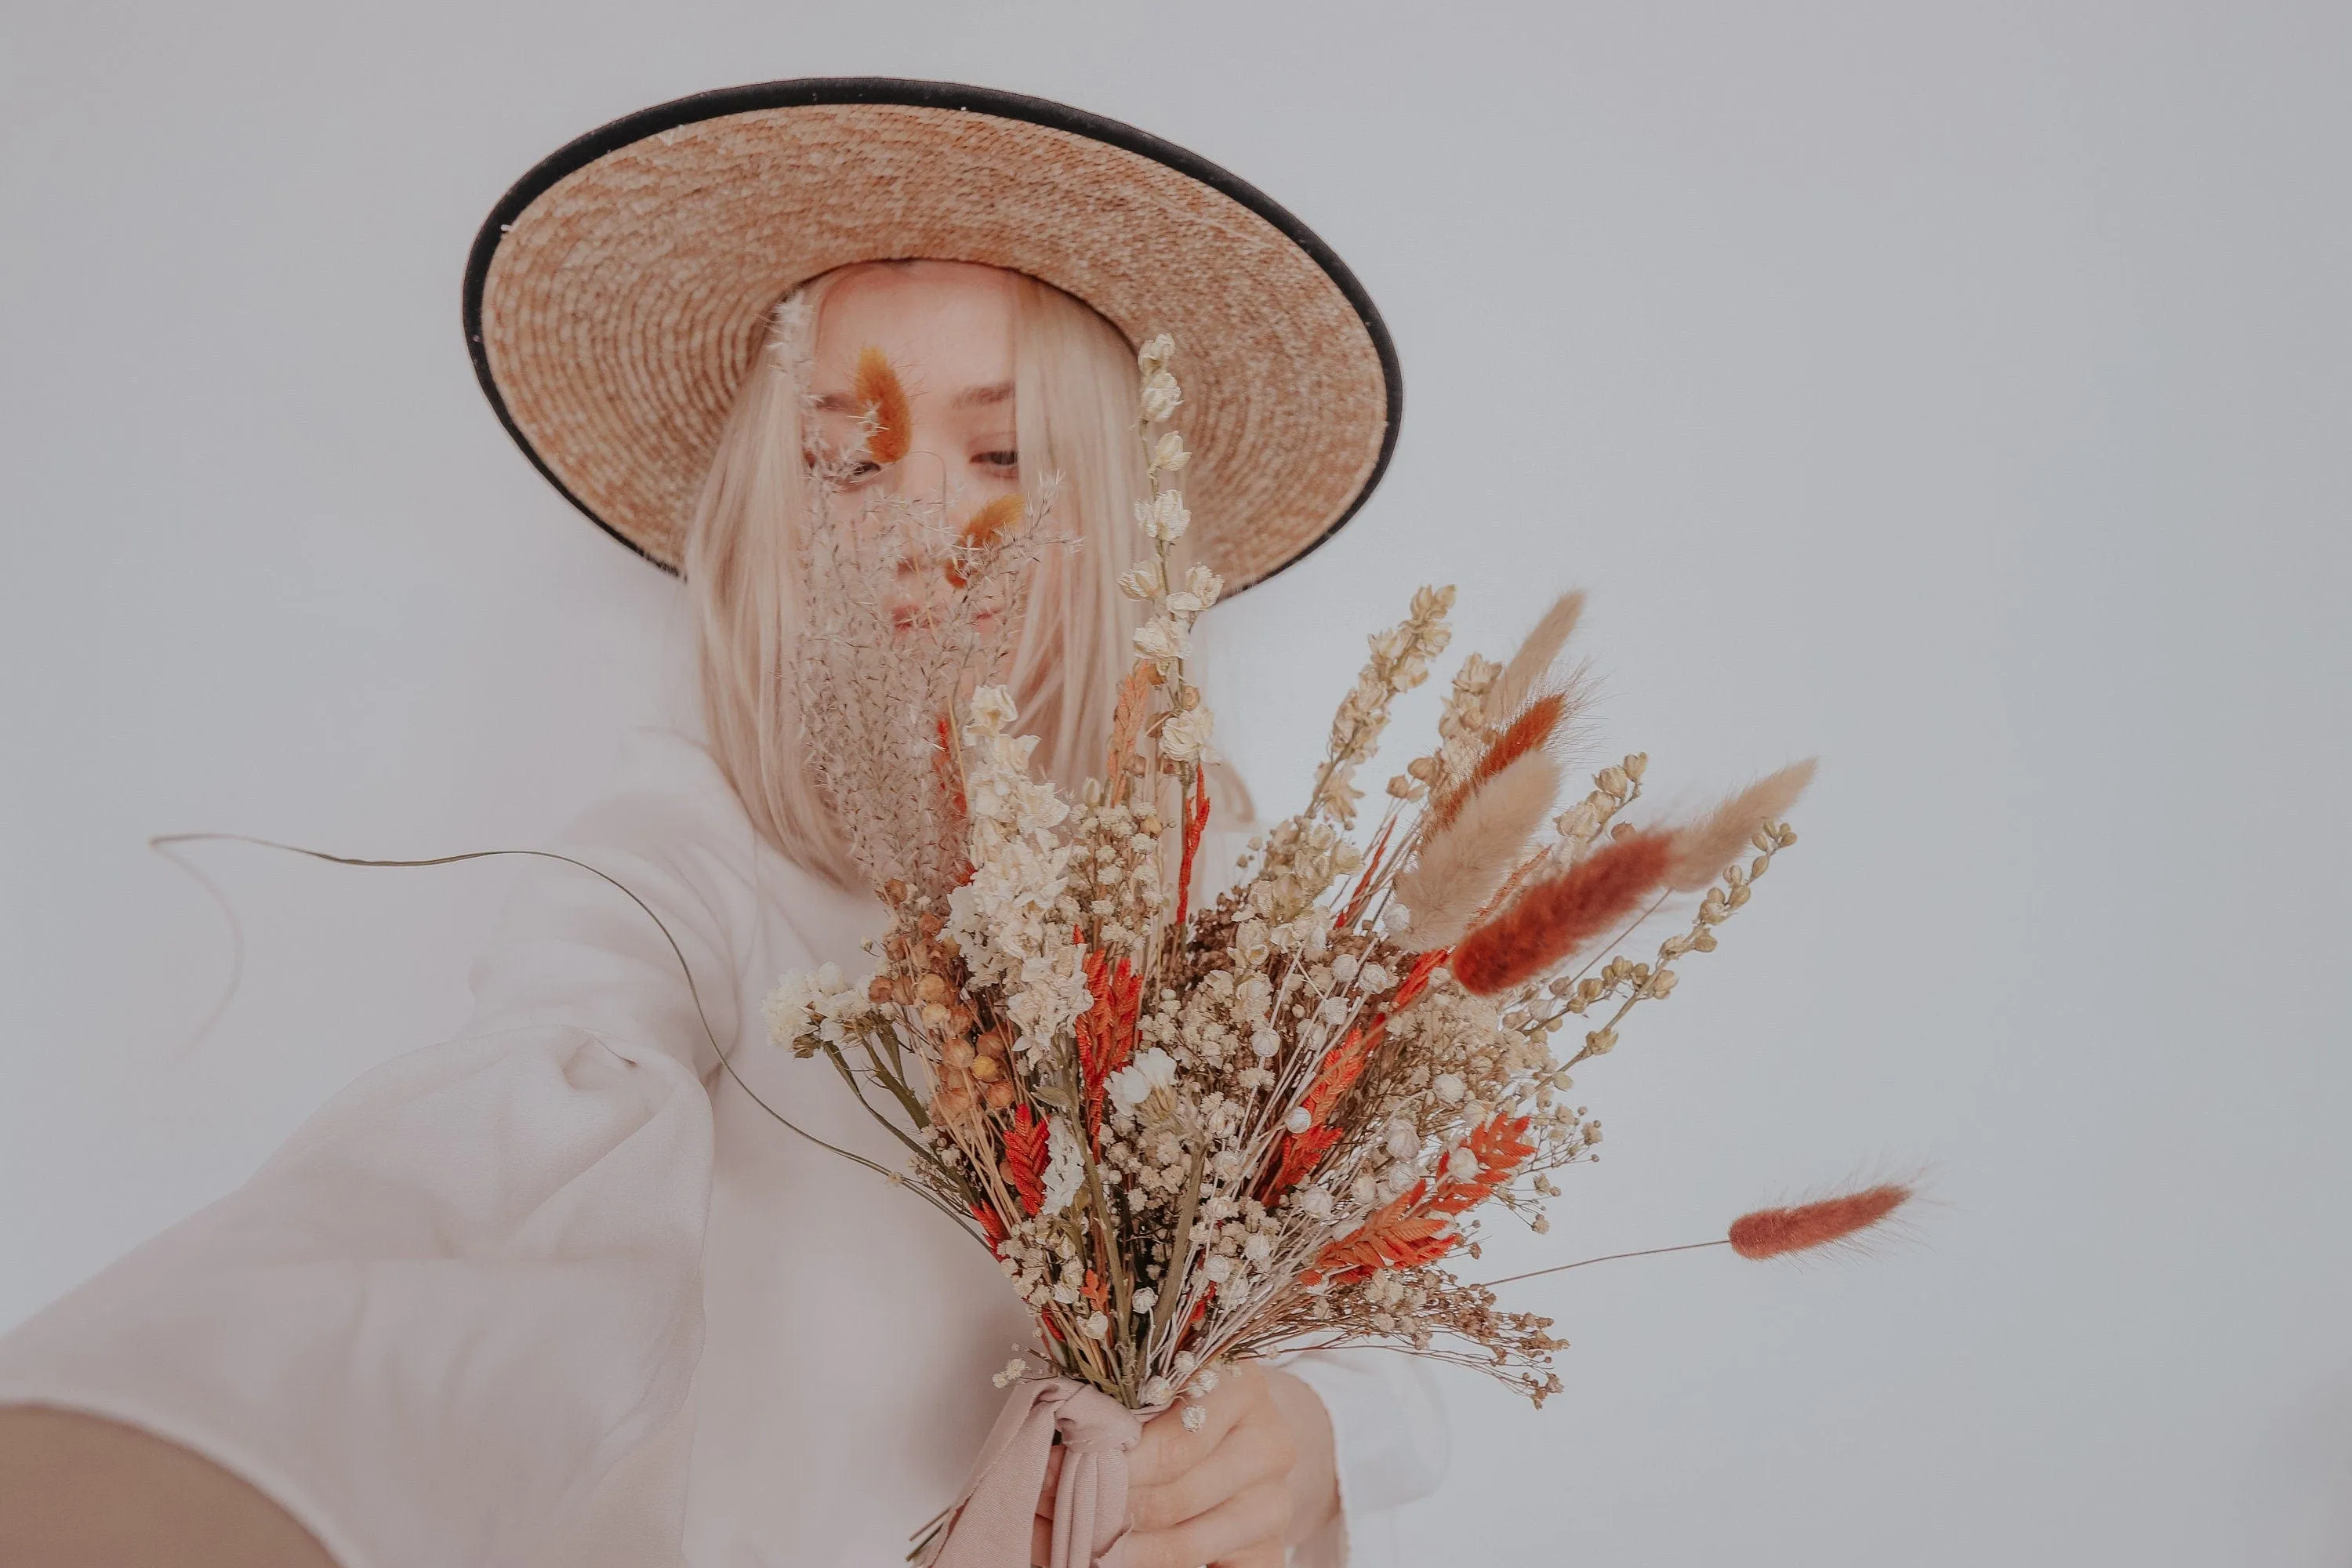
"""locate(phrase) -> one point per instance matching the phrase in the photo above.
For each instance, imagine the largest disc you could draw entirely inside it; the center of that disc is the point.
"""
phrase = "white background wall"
(1960, 392)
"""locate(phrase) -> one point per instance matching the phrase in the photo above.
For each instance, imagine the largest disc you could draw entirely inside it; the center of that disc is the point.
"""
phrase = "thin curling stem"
(160, 840)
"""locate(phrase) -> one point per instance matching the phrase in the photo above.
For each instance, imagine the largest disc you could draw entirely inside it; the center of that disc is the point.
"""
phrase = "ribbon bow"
(991, 1525)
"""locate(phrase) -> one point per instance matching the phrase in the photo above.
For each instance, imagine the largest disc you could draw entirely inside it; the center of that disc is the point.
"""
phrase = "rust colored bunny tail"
(1774, 1233)
(992, 521)
(879, 393)
(983, 529)
(1552, 919)
(1531, 731)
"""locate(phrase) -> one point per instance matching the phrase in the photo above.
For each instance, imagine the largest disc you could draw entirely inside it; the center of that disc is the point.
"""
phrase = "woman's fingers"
(1041, 1528)
(1220, 1494)
(1246, 1524)
(1168, 1450)
(1254, 1451)
(1053, 1480)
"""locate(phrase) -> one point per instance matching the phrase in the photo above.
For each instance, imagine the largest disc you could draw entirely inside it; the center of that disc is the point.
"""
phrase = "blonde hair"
(1074, 390)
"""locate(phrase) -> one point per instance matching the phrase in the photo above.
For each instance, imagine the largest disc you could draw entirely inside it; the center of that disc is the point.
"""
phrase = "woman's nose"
(920, 474)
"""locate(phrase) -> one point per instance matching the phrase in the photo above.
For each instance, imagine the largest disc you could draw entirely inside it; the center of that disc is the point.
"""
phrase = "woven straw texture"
(625, 303)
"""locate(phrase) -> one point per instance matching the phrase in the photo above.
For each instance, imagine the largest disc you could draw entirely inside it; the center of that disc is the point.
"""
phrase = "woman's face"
(946, 328)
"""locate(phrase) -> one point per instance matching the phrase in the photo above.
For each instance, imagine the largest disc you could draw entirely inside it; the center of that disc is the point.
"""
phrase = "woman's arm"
(76, 1490)
(455, 1316)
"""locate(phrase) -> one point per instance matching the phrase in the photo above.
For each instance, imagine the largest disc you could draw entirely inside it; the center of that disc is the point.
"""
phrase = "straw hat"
(618, 293)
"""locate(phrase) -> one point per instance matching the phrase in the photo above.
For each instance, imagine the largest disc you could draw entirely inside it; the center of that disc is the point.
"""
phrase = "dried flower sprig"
(1823, 1224)
(1399, 662)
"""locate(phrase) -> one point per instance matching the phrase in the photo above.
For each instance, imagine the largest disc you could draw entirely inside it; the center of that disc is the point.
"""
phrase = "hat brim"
(618, 293)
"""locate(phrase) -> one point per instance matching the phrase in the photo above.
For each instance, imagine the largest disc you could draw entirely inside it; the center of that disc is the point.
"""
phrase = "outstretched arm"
(455, 1316)
(76, 1490)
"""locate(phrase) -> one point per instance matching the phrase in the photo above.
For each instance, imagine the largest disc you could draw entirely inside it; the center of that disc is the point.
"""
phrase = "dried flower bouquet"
(1194, 1135)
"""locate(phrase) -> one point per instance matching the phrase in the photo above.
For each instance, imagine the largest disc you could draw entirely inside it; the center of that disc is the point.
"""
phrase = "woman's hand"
(1257, 1477)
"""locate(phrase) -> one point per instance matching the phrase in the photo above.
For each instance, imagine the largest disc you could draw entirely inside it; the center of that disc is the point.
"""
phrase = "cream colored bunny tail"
(1704, 847)
(1525, 674)
(1460, 866)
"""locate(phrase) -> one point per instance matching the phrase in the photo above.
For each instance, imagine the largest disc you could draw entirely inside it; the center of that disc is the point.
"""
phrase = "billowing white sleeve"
(1391, 1441)
(455, 1318)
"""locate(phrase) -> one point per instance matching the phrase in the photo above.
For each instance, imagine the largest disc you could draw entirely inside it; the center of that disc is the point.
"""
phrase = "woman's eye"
(855, 474)
(818, 457)
(1006, 460)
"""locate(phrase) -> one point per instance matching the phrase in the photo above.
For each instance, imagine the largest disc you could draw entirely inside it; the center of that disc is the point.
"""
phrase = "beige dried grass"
(1461, 863)
(1704, 847)
(1525, 677)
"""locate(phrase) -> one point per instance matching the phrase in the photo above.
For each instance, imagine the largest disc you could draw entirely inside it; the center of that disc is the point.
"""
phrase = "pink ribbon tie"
(992, 1524)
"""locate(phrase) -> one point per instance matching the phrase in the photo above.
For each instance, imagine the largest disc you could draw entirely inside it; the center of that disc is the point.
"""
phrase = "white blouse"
(559, 1292)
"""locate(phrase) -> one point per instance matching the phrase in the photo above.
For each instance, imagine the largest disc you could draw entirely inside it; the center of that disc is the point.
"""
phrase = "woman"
(561, 1290)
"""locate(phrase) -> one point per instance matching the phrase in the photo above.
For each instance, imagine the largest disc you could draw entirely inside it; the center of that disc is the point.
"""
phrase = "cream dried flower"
(1148, 1085)
(1163, 517)
(1161, 395)
(787, 1013)
(1163, 640)
(1066, 1170)
(1185, 737)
